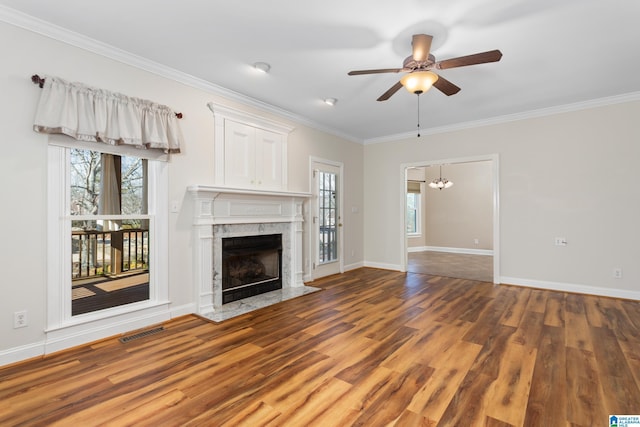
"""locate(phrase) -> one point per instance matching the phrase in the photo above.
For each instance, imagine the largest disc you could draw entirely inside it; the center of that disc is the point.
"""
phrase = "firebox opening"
(251, 265)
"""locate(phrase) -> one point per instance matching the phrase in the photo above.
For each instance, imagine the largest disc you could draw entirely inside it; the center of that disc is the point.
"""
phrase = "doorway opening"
(452, 232)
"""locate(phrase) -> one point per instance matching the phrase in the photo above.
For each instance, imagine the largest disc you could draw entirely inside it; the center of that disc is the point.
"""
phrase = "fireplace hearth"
(251, 265)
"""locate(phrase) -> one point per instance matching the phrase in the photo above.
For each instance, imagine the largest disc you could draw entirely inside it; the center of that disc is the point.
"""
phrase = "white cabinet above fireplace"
(253, 157)
(250, 150)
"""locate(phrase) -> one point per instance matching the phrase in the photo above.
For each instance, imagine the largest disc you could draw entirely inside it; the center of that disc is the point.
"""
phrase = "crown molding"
(47, 29)
(55, 32)
(594, 103)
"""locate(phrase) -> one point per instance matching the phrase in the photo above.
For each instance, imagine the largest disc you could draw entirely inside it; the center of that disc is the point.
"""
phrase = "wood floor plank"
(256, 414)
(529, 330)
(554, 312)
(437, 393)
(584, 389)
(315, 408)
(548, 394)
(507, 396)
(538, 301)
(577, 333)
(411, 419)
(391, 398)
(621, 392)
(468, 405)
(373, 348)
(516, 308)
(595, 311)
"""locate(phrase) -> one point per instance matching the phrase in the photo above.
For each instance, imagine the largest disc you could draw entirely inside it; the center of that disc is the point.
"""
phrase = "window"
(107, 240)
(413, 213)
(109, 230)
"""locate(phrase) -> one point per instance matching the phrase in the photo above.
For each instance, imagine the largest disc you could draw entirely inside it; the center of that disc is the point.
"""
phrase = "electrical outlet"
(561, 241)
(617, 273)
(476, 241)
(20, 319)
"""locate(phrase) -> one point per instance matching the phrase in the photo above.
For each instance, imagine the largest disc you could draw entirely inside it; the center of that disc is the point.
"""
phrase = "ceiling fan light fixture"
(263, 67)
(419, 81)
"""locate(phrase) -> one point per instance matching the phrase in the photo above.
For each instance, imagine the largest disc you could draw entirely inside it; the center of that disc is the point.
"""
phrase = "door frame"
(313, 236)
(494, 159)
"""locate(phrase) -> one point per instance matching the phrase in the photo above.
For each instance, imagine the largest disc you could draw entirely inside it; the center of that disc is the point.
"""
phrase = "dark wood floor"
(100, 293)
(460, 266)
(103, 299)
(374, 348)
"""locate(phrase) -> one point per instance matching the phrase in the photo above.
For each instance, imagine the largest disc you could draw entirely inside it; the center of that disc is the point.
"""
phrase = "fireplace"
(232, 217)
(251, 265)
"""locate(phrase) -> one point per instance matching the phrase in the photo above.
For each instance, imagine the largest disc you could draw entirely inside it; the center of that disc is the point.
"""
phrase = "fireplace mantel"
(225, 205)
(231, 190)
(221, 212)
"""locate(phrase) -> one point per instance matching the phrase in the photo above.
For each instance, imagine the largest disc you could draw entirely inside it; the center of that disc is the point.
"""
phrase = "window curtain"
(109, 202)
(96, 115)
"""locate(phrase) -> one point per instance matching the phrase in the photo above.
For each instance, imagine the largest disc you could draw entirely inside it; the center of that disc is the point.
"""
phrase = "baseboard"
(383, 266)
(22, 353)
(353, 266)
(467, 251)
(74, 336)
(572, 288)
(183, 310)
(77, 335)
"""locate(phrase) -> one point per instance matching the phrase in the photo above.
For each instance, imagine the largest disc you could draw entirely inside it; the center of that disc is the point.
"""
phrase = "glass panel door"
(327, 221)
(328, 217)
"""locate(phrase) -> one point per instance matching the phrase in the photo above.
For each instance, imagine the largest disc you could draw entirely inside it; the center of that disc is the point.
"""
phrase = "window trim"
(58, 293)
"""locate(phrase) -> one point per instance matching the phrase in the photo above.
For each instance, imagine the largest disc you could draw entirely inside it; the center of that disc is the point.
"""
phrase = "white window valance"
(96, 115)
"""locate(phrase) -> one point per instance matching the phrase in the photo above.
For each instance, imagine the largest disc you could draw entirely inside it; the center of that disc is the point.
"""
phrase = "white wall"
(23, 171)
(572, 175)
(454, 218)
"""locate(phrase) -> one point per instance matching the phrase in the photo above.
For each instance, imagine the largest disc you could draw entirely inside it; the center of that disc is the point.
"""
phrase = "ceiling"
(555, 53)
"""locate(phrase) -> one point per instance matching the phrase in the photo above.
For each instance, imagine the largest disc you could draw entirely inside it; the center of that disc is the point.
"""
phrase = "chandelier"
(440, 183)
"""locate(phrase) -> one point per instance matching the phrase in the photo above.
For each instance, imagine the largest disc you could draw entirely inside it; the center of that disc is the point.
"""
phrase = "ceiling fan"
(420, 66)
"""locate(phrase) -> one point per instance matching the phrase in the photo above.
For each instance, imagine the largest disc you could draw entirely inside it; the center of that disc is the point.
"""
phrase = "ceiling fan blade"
(421, 44)
(462, 61)
(379, 71)
(393, 89)
(445, 86)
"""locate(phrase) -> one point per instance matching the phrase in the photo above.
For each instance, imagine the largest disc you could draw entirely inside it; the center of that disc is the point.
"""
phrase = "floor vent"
(141, 334)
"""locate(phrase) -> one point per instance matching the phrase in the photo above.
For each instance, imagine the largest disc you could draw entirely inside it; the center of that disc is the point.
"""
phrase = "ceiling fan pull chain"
(418, 115)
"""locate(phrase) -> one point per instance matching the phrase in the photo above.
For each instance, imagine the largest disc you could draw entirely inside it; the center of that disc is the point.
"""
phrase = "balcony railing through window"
(98, 253)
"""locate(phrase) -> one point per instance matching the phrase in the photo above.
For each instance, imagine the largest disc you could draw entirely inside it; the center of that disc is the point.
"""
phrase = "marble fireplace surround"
(221, 212)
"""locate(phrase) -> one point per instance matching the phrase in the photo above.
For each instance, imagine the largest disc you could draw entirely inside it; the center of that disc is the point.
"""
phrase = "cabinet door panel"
(239, 155)
(269, 160)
